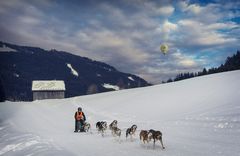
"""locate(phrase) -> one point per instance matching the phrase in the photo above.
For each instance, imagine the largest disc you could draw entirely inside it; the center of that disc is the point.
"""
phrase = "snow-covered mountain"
(20, 65)
(199, 116)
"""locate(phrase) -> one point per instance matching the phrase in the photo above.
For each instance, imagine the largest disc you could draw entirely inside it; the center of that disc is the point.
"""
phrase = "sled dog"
(116, 131)
(155, 135)
(131, 131)
(101, 126)
(113, 124)
(86, 126)
(144, 136)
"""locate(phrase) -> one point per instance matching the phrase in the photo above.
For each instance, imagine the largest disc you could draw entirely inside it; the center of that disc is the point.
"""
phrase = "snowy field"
(198, 117)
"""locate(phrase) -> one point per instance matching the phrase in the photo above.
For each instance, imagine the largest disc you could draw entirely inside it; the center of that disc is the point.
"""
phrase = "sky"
(127, 34)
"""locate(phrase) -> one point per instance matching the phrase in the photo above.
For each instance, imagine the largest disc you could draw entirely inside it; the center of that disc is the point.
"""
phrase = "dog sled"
(83, 126)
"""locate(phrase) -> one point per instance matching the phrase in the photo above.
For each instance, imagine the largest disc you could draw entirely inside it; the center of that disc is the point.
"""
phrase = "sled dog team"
(145, 135)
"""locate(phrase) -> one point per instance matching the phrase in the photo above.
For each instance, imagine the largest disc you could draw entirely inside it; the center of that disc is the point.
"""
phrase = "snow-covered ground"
(6, 49)
(109, 86)
(73, 71)
(199, 116)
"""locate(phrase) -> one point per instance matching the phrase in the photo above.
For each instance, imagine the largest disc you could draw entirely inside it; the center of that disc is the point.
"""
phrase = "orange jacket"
(79, 116)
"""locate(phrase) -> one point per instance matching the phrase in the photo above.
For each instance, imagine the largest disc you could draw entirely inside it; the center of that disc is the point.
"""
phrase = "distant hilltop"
(20, 65)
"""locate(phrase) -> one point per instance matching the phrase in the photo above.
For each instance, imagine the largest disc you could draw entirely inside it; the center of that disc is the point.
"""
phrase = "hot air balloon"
(164, 49)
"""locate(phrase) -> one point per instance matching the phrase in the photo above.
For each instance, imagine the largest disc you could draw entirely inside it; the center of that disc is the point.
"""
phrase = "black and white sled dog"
(101, 126)
(86, 127)
(131, 131)
(155, 135)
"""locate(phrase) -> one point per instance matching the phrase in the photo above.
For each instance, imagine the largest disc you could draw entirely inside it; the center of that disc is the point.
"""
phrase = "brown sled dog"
(155, 135)
(144, 136)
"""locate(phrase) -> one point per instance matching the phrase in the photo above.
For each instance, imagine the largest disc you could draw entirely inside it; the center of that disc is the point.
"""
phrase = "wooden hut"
(48, 89)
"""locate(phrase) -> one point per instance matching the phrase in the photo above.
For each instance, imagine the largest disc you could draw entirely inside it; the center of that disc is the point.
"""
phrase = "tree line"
(231, 63)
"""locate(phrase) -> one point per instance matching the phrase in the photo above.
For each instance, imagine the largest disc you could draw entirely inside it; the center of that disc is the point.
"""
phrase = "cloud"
(166, 28)
(187, 63)
(210, 12)
(192, 8)
(197, 34)
(184, 61)
(110, 45)
(165, 10)
(29, 20)
(153, 8)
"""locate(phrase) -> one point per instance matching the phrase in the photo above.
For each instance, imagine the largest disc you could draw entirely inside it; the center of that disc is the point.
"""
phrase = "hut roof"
(48, 85)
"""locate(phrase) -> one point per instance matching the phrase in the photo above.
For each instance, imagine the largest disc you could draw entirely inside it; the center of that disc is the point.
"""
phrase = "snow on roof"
(73, 71)
(48, 85)
(109, 86)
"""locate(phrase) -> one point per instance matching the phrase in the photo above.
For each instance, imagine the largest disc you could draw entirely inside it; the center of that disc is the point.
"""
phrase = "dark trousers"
(79, 125)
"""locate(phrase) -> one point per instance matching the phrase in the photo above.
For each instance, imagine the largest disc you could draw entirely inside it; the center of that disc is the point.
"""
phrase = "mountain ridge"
(82, 75)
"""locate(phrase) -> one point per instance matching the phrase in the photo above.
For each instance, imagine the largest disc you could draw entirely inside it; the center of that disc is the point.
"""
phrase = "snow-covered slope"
(199, 116)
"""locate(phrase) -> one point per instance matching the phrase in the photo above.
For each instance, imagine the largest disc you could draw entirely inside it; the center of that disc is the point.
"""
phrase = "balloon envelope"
(164, 48)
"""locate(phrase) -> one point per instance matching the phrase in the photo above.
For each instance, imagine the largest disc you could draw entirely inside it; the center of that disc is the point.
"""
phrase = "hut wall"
(38, 95)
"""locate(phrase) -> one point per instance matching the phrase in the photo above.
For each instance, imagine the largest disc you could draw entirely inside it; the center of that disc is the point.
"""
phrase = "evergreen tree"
(169, 80)
(204, 72)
